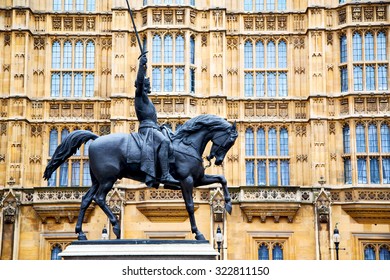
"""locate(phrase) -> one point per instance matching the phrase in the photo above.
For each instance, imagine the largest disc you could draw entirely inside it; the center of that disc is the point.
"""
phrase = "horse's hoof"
(82, 236)
(228, 207)
(200, 237)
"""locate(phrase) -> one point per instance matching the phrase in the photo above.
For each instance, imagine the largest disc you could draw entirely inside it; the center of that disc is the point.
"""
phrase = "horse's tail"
(67, 148)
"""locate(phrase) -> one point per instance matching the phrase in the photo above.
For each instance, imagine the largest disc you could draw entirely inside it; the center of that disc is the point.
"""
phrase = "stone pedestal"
(139, 249)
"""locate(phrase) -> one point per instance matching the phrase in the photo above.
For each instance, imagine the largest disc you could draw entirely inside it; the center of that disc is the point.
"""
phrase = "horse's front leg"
(211, 179)
(187, 188)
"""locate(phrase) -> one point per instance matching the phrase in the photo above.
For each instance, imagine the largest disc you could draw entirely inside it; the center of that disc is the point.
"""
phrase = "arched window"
(272, 142)
(360, 139)
(192, 80)
(372, 138)
(263, 253)
(362, 170)
(168, 48)
(369, 253)
(344, 79)
(357, 47)
(90, 55)
(168, 79)
(156, 79)
(285, 172)
(179, 51)
(68, 4)
(248, 6)
(248, 55)
(79, 5)
(343, 48)
(156, 52)
(89, 85)
(179, 79)
(261, 173)
(86, 174)
(282, 80)
(56, 55)
(384, 253)
(78, 85)
(382, 77)
(67, 62)
(369, 46)
(271, 84)
(259, 5)
(282, 54)
(271, 55)
(248, 85)
(55, 85)
(91, 5)
(260, 84)
(273, 173)
(261, 142)
(282, 5)
(76, 173)
(270, 5)
(57, 5)
(64, 134)
(347, 171)
(250, 172)
(385, 138)
(79, 55)
(370, 77)
(358, 77)
(381, 49)
(64, 174)
(346, 140)
(283, 142)
(66, 84)
(55, 251)
(277, 252)
(259, 54)
(192, 50)
(249, 142)
(374, 170)
(53, 142)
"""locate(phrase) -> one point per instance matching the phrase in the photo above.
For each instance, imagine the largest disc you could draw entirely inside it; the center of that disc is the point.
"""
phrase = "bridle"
(219, 146)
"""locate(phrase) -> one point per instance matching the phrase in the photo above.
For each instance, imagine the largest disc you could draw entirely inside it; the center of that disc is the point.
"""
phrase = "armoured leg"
(163, 155)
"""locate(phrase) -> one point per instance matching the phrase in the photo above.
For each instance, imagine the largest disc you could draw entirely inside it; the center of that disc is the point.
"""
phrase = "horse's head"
(222, 140)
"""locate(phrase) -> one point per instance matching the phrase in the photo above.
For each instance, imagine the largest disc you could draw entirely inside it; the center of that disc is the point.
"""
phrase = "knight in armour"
(155, 150)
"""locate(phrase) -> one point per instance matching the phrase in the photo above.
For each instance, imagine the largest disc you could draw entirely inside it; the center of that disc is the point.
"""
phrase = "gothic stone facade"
(306, 81)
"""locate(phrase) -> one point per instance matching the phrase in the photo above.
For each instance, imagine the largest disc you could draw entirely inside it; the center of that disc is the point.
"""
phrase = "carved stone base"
(139, 249)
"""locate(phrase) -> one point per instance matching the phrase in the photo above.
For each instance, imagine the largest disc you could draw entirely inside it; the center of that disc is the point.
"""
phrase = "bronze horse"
(110, 161)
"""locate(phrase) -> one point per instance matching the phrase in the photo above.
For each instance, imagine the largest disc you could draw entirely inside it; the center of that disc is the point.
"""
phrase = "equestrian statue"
(155, 155)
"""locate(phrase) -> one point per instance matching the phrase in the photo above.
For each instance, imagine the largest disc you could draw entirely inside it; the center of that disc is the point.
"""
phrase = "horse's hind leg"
(100, 199)
(85, 202)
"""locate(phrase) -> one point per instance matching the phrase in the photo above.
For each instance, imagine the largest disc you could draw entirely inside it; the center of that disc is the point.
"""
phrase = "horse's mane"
(199, 122)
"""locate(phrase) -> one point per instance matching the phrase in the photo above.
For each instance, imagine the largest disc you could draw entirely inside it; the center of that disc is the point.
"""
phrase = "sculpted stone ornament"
(174, 159)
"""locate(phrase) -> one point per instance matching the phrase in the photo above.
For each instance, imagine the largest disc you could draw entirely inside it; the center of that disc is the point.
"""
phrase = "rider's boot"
(166, 177)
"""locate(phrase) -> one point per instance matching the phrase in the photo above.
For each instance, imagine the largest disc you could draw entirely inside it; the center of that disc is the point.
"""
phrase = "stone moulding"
(69, 212)
(165, 212)
(275, 210)
(368, 213)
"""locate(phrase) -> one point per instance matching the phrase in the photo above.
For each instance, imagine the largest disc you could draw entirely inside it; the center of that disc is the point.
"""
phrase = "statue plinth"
(139, 249)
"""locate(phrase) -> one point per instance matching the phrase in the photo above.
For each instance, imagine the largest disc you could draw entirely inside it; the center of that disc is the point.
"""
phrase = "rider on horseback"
(155, 142)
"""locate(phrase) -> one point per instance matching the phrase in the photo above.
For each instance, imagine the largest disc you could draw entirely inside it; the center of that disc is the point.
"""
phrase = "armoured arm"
(139, 83)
